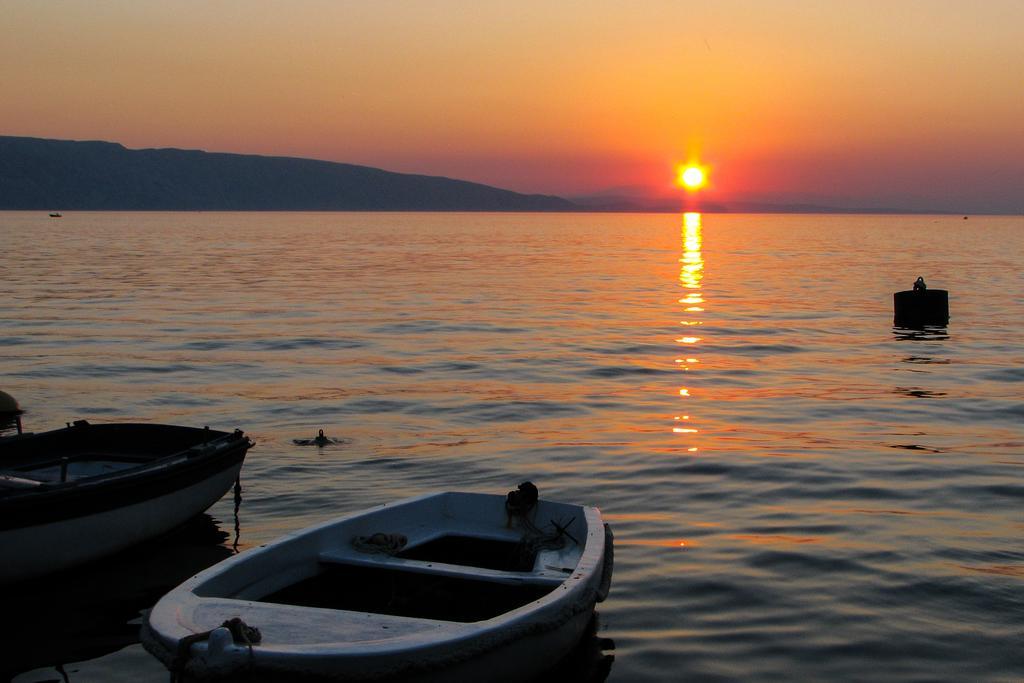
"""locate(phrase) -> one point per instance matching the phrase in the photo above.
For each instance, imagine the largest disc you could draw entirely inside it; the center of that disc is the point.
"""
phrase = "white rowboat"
(447, 586)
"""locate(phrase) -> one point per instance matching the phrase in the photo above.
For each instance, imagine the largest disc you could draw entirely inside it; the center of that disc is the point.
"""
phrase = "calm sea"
(798, 490)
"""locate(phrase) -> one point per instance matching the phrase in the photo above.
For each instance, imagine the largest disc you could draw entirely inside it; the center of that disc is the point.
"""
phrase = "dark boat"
(76, 494)
(56, 214)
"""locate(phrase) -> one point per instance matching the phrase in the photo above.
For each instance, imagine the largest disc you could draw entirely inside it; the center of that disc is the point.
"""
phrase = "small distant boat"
(446, 586)
(56, 214)
(77, 494)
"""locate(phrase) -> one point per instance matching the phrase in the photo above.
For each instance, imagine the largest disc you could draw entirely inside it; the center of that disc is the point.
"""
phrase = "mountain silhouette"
(38, 173)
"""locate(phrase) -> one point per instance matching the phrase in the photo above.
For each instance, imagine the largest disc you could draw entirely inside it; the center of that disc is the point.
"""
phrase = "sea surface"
(798, 490)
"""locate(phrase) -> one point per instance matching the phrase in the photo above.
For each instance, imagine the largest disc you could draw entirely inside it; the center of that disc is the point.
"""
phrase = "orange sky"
(871, 103)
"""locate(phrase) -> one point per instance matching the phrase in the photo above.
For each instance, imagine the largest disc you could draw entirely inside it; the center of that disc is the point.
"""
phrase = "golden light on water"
(658, 542)
(692, 270)
(691, 273)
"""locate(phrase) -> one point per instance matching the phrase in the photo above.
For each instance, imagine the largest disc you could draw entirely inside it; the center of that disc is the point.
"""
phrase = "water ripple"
(843, 502)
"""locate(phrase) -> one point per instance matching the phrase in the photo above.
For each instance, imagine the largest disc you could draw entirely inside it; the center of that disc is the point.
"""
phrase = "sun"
(692, 177)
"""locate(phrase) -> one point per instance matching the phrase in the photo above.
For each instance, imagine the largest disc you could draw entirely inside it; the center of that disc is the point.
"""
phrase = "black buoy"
(921, 306)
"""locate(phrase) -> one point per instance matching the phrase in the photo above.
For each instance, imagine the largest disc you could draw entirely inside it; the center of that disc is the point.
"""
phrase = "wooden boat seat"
(88, 456)
(548, 577)
(78, 467)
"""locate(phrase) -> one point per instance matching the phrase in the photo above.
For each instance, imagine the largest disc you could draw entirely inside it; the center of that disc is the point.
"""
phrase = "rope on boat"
(521, 505)
(380, 543)
(241, 634)
(238, 504)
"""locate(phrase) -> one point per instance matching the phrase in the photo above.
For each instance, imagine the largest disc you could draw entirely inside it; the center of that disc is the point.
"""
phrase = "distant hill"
(625, 202)
(45, 174)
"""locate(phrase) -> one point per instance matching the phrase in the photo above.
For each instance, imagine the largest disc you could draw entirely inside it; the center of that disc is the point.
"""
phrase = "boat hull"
(49, 526)
(35, 550)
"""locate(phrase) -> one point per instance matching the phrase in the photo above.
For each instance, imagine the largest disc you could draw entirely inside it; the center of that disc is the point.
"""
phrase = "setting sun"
(691, 177)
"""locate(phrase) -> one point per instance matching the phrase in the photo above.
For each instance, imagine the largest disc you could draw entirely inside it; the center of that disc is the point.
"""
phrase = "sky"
(894, 103)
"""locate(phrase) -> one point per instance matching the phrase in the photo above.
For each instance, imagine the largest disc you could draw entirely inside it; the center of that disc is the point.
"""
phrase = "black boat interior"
(383, 590)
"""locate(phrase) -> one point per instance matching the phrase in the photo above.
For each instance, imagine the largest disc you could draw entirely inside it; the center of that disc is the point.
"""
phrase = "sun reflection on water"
(691, 273)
